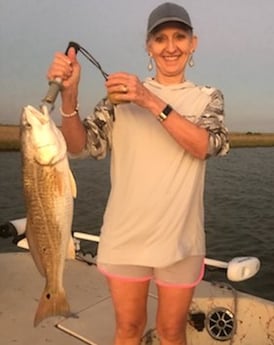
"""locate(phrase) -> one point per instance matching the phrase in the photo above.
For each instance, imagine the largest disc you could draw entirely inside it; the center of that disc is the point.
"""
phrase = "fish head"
(41, 140)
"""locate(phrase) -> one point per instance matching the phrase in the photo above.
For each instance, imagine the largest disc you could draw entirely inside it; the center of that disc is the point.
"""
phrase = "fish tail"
(52, 304)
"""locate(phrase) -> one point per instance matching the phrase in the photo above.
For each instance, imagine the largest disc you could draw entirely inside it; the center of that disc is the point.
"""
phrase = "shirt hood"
(155, 84)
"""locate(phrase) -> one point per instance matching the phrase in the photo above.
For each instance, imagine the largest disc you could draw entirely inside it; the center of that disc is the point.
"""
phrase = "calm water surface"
(239, 207)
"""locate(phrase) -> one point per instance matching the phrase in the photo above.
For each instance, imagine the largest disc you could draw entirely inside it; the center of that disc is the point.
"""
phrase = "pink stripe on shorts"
(185, 273)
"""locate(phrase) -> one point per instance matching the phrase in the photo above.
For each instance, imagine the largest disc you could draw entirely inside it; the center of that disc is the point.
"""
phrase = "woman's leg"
(130, 306)
(173, 306)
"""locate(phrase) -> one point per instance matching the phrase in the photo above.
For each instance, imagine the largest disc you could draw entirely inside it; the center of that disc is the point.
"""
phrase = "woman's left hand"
(123, 87)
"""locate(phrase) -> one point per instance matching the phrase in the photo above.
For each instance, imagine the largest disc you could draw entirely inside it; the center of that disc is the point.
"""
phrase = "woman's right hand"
(67, 68)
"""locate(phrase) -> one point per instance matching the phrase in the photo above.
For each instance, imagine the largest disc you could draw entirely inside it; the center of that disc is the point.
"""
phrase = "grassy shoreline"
(9, 139)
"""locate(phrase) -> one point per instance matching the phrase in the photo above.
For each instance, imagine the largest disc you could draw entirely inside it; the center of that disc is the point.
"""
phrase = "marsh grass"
(9, 139)
(250, 139)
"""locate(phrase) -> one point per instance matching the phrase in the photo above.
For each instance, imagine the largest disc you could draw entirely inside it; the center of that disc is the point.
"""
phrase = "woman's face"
(170, 48)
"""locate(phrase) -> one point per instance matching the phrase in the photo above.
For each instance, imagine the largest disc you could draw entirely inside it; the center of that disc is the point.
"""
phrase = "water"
(239, 207)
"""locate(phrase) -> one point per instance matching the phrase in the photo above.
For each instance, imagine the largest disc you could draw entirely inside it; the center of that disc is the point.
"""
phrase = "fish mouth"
(43, 141)
(30, 112)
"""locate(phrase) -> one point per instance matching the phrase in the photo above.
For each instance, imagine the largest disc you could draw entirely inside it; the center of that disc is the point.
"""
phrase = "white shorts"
(185, 273)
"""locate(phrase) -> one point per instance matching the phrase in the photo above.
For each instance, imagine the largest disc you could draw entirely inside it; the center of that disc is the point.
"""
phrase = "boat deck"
(21, 286)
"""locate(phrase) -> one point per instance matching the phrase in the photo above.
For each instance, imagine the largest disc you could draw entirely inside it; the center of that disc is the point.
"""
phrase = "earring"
(150, 63)
(191, 62)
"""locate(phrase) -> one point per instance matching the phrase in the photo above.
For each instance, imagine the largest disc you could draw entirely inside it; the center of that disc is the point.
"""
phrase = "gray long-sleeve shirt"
(154, 215)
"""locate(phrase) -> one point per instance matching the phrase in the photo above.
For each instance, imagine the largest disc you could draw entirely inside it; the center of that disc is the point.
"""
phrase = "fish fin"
(73, 184)
(59, 182)
(52, 304)
(71, 249)
(34, 251)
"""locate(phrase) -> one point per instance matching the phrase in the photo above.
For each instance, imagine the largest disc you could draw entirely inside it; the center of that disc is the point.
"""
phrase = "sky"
(235, 51)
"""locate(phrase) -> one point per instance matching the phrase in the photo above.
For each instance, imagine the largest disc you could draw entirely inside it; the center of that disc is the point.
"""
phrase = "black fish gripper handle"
(56, 84)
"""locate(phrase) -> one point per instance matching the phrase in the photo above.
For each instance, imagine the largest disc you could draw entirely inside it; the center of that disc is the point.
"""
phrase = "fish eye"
(27, 125)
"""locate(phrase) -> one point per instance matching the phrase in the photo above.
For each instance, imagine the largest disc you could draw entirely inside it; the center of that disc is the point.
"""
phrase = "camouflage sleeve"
(212, 119)
(99, 129)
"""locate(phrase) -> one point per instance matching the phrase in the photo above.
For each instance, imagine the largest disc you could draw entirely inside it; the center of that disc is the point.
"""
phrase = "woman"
(160, 133)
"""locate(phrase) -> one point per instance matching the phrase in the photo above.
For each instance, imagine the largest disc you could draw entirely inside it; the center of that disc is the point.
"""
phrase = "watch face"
(164, 114)
(167, 110)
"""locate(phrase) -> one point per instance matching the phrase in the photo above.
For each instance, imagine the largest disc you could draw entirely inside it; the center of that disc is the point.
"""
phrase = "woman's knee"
(130, 328)
(173, 333)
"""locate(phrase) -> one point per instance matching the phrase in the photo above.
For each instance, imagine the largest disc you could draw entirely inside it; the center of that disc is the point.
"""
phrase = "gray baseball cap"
(168, 12)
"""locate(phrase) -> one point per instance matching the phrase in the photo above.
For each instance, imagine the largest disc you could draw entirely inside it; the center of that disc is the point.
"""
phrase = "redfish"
(49, 188)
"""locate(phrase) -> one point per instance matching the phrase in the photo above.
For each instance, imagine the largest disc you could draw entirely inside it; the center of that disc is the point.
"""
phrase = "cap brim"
(167, 20)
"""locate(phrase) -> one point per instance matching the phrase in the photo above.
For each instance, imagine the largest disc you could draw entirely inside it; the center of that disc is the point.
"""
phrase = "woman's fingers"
(65, 67)
(60, 67)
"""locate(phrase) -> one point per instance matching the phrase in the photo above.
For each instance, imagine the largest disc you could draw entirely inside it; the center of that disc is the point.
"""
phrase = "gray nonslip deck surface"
(20, 288)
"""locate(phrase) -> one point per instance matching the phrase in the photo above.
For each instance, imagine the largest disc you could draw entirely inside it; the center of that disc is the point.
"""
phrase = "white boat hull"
(253, 317)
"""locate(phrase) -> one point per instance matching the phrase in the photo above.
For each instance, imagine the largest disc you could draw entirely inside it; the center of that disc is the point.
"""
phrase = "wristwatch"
(165, 112)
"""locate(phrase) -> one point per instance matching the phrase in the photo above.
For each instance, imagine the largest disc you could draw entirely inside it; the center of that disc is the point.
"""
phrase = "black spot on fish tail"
(52, 304)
